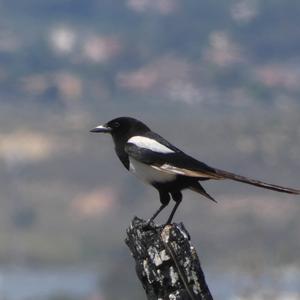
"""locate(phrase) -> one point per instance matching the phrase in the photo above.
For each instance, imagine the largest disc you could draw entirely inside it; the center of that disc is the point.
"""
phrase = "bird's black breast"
(123, 156)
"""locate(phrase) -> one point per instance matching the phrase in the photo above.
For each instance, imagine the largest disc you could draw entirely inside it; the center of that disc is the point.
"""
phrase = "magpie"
(169, 170)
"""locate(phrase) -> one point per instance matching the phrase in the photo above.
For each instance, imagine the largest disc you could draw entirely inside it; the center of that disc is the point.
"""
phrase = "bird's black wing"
(176, 162)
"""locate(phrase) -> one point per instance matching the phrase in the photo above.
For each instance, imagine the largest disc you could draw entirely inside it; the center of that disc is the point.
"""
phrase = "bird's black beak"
(101, 128)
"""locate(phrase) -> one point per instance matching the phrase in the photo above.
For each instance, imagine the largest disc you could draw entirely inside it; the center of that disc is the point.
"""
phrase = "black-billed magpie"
(157, 162)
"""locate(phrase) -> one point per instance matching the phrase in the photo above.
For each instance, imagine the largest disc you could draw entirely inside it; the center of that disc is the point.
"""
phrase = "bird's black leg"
(164, 200)
(177, 197)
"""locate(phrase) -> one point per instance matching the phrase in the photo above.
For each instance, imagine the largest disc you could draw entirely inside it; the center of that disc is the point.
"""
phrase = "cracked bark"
(166, 263)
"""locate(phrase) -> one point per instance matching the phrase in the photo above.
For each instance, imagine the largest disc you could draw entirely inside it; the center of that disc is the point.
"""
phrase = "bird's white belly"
(147, 173)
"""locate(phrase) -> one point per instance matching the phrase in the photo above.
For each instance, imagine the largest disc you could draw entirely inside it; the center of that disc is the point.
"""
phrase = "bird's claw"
(150, 225)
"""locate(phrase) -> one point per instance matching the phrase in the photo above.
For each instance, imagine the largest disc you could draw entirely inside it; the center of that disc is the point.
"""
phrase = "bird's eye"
(116, 124)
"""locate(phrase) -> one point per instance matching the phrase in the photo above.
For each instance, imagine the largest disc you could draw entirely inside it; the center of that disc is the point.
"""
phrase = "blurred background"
(220, 79)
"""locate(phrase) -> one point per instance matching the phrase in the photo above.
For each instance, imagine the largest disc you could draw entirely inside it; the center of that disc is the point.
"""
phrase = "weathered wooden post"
(166, 262)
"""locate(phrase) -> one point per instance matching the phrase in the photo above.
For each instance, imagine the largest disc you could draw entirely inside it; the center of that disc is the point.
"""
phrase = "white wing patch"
(148, 143)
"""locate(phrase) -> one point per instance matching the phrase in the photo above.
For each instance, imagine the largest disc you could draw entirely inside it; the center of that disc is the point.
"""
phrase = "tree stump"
(166, 262)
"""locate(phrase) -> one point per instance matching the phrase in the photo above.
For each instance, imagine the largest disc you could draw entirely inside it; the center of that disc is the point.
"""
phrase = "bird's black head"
(122, 128)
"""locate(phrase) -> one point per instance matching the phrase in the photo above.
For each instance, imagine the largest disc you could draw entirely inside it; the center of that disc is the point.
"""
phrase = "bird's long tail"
(227, 175)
